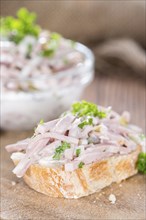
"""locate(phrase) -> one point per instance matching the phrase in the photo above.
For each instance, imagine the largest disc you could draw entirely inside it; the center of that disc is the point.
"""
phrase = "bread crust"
(56, 182)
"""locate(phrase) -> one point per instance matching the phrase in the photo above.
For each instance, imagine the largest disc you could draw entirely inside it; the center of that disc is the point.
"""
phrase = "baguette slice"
(56, 182)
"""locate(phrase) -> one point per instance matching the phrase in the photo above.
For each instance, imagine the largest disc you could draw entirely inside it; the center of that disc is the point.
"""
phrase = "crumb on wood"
(13, 183)
(139, 195)
(112, 198)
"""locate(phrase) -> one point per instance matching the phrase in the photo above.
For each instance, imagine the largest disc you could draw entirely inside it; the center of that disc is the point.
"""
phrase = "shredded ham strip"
(20, 145)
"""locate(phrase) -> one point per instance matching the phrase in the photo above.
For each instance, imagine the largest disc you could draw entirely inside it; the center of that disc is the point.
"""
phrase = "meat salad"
(42, 73)
(29, 52)
(85, 134)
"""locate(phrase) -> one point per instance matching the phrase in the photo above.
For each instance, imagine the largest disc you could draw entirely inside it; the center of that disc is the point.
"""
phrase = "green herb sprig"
(51, 46)
(141, 163)
(59, 150)
(41, 122)
(142, 137)
(84, 123)
(81, 164)
(84, 108)
(29, 51)
(78, 151)
(73, 43)
(15, 29)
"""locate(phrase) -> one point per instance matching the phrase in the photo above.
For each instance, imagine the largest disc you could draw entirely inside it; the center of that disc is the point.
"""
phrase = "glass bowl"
(23, 110)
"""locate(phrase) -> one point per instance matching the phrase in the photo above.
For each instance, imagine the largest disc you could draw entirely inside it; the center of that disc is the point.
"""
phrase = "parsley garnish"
(29, 51)
(78, 151)
(142, 137)
(73, 43)
(81, 164)
(51, 46)
(55, 36)
(48, 52)
(141, 163)
(41, 122)
(87, 109)
(15, 29)
(89, 122)
(59, 150)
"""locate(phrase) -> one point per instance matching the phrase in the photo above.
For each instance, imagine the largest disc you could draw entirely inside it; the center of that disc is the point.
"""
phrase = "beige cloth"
(123, 52)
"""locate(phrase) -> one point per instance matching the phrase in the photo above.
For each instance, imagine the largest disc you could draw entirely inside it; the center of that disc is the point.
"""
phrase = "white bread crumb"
(13, 183)
(112, 198)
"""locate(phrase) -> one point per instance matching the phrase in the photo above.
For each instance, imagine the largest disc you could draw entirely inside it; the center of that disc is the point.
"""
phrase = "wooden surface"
(20, 202)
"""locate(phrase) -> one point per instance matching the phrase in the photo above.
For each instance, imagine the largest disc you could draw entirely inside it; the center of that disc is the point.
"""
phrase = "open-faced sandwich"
(83, 151)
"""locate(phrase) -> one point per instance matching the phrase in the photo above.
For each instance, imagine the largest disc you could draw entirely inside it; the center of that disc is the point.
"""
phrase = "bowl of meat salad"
(42, 73)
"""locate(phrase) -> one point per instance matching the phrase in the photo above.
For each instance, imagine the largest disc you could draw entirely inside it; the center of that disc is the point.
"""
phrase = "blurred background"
(95, 23)
(115, 31)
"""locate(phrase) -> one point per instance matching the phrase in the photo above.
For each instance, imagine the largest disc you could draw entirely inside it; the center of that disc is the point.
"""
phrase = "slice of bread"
(56, 182)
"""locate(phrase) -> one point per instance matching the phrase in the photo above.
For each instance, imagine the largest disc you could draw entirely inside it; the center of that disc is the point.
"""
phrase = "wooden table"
(20, 202)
